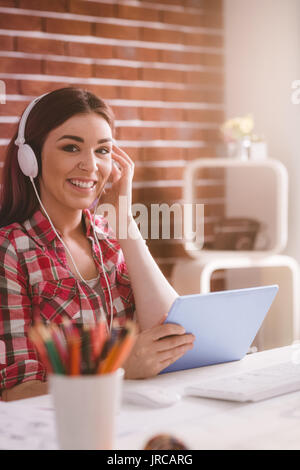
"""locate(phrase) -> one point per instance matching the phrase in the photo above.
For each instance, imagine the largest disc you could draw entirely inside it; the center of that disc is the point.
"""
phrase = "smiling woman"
(57, 259)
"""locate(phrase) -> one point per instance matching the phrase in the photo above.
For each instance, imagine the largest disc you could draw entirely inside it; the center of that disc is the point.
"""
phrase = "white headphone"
(29, 167)
(26, 156)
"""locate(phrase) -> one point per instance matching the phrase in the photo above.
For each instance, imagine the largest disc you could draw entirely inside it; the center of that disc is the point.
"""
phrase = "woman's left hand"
(121, 183)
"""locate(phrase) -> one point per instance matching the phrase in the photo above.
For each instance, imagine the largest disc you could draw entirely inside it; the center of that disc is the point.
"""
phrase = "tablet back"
(224, 323)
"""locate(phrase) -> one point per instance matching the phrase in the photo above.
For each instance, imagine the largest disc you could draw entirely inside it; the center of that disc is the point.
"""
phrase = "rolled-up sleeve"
(18, 358)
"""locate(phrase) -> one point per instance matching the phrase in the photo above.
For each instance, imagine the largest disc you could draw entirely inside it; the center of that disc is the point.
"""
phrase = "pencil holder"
(85, 408)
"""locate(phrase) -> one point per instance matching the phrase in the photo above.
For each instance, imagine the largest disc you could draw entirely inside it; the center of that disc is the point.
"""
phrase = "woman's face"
(76, 162)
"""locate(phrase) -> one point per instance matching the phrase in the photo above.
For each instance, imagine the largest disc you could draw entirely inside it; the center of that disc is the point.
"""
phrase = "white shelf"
(254, 189)
(281, 325)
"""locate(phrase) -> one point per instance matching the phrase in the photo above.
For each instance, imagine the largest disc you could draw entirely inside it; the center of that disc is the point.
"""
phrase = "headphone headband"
(22, 124)
(26, 157)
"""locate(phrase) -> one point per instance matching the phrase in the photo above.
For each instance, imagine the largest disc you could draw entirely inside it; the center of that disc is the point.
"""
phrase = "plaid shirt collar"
(39, 228)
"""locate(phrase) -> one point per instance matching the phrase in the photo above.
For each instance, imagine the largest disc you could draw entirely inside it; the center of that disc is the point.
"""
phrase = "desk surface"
(201, 423)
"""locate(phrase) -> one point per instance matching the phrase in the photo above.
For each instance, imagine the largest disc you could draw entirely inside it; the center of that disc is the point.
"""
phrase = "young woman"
(49, 274)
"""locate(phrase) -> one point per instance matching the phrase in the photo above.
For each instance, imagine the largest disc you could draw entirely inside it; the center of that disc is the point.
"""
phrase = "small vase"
(243, 148)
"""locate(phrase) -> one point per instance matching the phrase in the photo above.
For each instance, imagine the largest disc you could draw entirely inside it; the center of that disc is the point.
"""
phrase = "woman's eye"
(103, 150)
(70, 148)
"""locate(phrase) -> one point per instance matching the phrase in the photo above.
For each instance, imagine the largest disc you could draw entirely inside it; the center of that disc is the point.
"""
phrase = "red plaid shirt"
(35, 282)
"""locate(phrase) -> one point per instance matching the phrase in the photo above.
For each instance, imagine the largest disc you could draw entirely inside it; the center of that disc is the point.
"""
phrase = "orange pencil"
(99, 336)
(121, 351)
(74, 353)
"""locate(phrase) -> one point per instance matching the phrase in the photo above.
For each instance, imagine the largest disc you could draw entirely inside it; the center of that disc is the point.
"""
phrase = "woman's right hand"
(155, 349)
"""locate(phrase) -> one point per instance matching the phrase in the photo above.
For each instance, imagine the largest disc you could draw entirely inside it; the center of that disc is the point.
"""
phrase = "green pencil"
(53, 354)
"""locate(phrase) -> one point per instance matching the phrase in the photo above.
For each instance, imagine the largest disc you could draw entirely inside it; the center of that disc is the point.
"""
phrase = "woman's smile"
(82, 184)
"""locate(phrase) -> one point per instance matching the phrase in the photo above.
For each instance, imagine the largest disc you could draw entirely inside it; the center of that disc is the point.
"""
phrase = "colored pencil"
(60, 343)
(41, 349)
(98, 338)
(74, 353)
(53, 354)
(70, 349)
(120, 352)
(87, 363)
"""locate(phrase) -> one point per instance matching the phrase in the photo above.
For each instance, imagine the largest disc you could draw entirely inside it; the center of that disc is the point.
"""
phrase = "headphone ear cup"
(27, 161)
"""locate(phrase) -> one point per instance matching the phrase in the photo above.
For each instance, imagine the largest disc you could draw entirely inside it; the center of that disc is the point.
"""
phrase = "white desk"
(200, 423)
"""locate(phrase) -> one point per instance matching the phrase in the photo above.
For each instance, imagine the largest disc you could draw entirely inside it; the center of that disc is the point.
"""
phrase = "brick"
(8, 3)
(185, 133)
(40, 46)
(181, 18)
(135, 196)
(127, 112)
(2, 152)
(210, 191)
(133, 152)
(206, 115)
(190, 96)
(117, 31)
(212, 60)
(35, 87)
(140, 93)
(162, 153)
(93, 9)
(162, 35)
(162, 75)
(205, 4)
(205, 40)
(217, 285)
(136, 53)
(174, 57)
(18, 65)
(158, 173)
(97, 51)
(137, 13)
(11, 86)
(211, 20)
(170, 94)
(73, 69)
(54, 25)
(7, 130)
(138, 133)
(166, 269)
(162, 114)
(113, 71)
(45, 5)
(13, 108)
(20, 22)
(6, 43)
(213, 210)
(211, 173)
(102, 91)
(204, 78)
(206, 20)
(164, 2)
(209, 151)
(166, 249)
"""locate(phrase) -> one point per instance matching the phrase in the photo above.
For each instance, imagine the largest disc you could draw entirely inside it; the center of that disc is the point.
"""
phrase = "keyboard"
(255, 385)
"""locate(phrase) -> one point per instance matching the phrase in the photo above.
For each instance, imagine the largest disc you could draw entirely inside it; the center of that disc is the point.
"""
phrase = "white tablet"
(224, 323)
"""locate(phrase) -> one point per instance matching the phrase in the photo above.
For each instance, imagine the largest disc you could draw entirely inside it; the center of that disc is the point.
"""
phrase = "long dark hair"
(17, 199)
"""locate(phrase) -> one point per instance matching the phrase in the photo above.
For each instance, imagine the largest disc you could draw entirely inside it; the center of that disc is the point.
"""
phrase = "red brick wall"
(158, 63)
